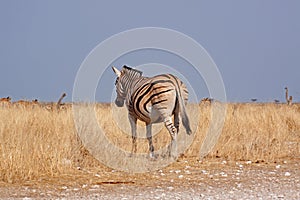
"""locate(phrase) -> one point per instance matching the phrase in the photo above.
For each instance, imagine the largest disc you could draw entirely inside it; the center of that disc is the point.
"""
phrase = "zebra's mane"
(132, 71)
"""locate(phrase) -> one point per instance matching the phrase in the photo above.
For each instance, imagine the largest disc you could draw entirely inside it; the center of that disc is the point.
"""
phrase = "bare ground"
(185, 179)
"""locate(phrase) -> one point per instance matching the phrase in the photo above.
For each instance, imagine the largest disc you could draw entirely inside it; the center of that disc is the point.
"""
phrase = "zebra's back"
(153, 99)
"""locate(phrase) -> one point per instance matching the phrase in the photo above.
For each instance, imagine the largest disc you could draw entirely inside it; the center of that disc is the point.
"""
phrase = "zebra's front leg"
(149, 137)
(133, 121)
(173, 133)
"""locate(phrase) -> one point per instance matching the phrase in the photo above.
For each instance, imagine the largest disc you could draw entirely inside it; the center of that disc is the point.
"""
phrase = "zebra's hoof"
(174, 157)
(131, 155)
(153, 156)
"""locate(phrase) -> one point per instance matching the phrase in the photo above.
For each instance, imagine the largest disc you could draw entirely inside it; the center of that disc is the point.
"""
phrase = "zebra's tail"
(182, 110)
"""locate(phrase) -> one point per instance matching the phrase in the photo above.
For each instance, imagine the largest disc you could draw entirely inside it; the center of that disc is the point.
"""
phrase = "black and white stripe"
(152, 100)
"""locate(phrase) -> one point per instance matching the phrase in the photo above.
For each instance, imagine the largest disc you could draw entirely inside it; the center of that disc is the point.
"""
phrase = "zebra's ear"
(117, 72)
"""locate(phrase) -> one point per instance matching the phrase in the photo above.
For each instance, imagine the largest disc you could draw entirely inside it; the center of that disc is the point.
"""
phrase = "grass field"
(37, 143)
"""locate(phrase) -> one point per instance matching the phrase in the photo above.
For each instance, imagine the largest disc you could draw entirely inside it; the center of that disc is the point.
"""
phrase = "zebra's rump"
(155, 98)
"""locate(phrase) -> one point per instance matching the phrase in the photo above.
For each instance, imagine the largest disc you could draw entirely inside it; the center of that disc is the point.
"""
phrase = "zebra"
(152, 100)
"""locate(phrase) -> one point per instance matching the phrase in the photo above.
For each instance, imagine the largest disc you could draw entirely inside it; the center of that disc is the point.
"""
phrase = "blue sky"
(255, 44)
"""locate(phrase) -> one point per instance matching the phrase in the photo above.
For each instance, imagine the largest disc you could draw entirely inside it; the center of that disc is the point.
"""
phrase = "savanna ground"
(256, 155)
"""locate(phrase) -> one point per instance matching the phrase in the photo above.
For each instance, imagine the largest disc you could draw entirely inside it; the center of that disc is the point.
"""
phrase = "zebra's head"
(124, 77)
(119, 88)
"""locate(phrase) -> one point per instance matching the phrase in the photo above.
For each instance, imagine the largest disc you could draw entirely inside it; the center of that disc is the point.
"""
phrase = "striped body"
(152, 100)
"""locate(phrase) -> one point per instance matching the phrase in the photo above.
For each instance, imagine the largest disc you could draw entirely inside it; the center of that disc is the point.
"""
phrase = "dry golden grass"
(257, 132)
(37, 143)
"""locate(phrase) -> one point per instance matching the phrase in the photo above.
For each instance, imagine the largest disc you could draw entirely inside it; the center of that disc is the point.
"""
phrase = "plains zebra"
(152, 100)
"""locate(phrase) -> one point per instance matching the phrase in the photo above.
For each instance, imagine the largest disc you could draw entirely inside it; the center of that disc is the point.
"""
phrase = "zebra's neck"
(134, 84)
(130, 76)
(131, 85)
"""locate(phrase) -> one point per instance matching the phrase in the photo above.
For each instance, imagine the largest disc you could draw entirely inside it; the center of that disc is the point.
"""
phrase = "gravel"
(182, 180)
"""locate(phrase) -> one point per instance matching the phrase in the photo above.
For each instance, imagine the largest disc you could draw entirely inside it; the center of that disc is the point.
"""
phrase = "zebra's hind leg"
(176, 117)
(173, 132)
(149, 137)
(134, 146)
(133, 122)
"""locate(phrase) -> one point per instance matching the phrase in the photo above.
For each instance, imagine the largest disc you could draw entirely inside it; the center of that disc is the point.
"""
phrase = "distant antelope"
(52, 106)
(288, 98)
(5, 101)
(24, 103)
(206, 99)
(59, 105)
